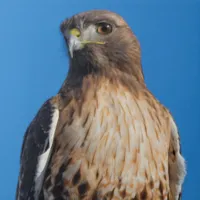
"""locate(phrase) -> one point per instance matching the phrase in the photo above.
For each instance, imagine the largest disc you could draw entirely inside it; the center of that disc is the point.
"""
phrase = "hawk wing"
(36, 151)
(177, 169)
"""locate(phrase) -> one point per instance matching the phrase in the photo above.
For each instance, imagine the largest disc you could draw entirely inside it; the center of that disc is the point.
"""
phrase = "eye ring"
(103, 28)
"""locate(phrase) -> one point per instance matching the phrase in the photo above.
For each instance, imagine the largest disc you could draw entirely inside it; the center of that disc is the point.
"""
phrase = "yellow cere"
(75, 32)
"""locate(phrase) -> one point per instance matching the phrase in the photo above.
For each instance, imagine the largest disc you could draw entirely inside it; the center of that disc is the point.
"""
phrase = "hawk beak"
(75, 41)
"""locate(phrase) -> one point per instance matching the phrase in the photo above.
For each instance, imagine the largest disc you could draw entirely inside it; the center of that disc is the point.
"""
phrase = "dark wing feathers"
(35, 143)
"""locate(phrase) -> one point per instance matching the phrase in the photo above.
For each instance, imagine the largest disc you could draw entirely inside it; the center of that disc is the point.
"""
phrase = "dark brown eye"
(104, 28)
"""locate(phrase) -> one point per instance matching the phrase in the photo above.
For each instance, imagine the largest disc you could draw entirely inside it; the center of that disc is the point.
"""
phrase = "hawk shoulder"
(36, 151)
(177, 168)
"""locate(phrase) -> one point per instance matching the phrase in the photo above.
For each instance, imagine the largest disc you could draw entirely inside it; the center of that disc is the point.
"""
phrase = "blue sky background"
(33, 65)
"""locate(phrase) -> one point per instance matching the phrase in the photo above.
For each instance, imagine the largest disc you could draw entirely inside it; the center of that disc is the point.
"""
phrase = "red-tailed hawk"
(104, 135)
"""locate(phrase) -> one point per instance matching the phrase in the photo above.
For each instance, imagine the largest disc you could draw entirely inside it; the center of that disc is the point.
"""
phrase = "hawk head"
(100, 41)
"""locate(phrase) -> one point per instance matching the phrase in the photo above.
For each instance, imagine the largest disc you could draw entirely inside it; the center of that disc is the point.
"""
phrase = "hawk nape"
(104, 135)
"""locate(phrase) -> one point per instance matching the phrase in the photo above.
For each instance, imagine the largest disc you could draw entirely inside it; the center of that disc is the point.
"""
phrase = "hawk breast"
(115, 145)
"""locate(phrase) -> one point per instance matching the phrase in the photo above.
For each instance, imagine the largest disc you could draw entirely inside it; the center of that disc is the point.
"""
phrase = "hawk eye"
(104, 28)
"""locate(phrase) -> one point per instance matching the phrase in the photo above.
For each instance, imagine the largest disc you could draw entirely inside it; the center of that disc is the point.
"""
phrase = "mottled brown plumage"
(113, 139)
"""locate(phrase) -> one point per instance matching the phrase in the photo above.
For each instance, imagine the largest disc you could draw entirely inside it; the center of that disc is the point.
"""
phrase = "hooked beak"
(76, 42)
(73, 39)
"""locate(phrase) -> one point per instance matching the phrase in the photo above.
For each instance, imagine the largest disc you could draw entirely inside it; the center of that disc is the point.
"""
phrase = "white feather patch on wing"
(180, 160)
(44, 158)
(177, 171)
